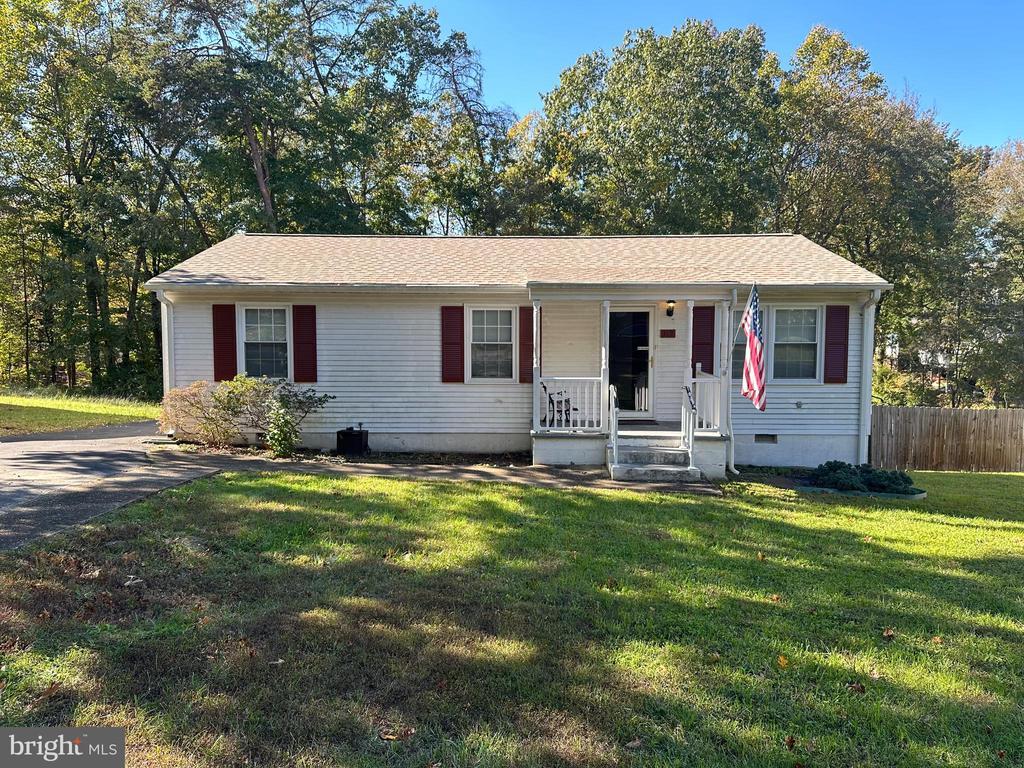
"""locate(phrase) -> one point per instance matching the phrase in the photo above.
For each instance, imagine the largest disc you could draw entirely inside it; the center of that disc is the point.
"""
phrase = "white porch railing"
(570, 404)
(707, 397)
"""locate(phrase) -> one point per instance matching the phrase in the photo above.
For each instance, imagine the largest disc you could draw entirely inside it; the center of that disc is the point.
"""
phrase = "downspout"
(731, 465)
(167, 342)
(867, 344)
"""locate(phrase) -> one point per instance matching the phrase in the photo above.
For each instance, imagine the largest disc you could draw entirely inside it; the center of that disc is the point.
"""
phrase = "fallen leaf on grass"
(390, 734)
(937, 640)
(888, 633)
(714, 658)
(1001, 753)
(783, 661)
(51, 690)
(856, 686)
(760, 556)
(790, 742)
(776, 598)
(635, 743)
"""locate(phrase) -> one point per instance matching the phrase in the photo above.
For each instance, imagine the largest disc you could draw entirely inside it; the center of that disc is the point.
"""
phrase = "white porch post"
(536, 365)
(687, 380)
(605, 336)
(724, 367)
(688, 347)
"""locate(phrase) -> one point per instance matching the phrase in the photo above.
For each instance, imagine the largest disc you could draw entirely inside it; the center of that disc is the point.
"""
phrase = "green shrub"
(848, 477)
(282, 430)
(219, 414)
(247, 399)
(193, 414)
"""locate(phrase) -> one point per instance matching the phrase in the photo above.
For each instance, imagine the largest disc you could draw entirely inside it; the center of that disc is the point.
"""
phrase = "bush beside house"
(222, 414)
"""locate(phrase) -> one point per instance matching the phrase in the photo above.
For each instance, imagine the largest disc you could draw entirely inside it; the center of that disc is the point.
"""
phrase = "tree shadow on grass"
(286, 619)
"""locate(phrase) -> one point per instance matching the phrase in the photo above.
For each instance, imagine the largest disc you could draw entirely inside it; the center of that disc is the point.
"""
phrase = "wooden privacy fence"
(947, 438)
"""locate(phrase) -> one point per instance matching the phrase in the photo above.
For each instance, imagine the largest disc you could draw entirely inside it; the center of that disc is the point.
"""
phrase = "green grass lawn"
(24, 413)
(301, 620)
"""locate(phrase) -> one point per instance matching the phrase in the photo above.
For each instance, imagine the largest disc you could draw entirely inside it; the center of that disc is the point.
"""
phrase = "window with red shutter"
(703, 350)
(837, 343)
(225, 343)
(304, 343)
(453, 345)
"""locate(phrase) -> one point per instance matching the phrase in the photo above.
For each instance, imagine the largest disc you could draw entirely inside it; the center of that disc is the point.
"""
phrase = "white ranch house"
(584, 350)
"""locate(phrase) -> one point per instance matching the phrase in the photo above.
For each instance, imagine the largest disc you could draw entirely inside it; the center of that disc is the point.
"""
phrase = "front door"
(629, 360)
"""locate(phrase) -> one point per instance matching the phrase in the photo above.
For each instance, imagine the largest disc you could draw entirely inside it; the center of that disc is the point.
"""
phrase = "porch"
(616, 382)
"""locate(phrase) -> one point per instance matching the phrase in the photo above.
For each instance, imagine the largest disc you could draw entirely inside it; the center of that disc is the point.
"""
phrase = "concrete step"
(679, 457)
(649, 441)
(655, 473)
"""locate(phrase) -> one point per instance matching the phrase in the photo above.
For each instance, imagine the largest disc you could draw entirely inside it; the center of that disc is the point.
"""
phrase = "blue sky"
(964, 59)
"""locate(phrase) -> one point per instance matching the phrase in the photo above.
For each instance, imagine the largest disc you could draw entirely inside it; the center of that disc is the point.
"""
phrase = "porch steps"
(654, 464)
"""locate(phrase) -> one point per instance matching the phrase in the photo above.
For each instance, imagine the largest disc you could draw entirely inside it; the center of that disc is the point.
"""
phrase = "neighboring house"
(488, 344)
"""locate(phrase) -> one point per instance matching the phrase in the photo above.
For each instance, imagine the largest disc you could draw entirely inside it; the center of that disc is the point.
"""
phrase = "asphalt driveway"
(50, 481)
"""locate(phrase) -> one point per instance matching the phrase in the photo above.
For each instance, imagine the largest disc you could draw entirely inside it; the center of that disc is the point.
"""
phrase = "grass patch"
(301, 620)
(27, 412)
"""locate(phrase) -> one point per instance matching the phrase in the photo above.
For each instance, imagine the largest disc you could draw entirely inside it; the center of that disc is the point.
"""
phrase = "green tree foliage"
(134, 133)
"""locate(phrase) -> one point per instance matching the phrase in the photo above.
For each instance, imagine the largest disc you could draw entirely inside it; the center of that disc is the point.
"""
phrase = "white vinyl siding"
(806, 408)
(380, 356)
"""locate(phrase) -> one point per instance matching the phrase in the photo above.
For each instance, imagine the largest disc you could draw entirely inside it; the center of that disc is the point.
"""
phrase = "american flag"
(753, 387)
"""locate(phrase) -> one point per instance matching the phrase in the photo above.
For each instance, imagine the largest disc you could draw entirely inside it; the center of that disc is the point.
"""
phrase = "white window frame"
(240, 332)
(819, 343)
(467, 327)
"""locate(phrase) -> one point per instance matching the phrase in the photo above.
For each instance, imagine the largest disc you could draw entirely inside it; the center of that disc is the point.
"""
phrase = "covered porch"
(616, 373)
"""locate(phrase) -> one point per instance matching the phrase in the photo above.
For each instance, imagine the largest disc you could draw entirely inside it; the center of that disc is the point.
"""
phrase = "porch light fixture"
(671, 308)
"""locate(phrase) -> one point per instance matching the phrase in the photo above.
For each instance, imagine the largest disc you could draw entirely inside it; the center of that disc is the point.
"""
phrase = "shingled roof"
(502, 262)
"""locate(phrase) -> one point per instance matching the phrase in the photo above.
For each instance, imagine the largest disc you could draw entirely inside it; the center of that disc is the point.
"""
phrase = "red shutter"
(526, 345)
(225, 343)
(304, 343)
(453, 345)
(703, 351)
(837, 343)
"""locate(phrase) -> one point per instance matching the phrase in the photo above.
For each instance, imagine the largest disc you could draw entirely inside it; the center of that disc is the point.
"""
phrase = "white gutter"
(867, 344)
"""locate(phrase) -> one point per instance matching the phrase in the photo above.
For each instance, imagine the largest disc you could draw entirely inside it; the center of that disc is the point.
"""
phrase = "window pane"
(266, 360)
(252, 332)
(796, 361)
(491, 361)
(279, 317)
(280, 333)
(738, 353)
(252, 316)
(796, 325)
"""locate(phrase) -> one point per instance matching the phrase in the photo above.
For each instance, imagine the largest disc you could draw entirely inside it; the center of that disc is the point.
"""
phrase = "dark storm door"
(629, 360)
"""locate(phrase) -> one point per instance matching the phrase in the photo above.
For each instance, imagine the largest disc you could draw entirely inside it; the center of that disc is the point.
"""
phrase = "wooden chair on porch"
(560, 408)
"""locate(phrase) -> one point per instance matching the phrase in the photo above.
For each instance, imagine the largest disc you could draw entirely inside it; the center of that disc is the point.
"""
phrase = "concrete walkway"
(50, 482)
